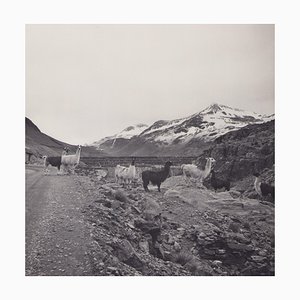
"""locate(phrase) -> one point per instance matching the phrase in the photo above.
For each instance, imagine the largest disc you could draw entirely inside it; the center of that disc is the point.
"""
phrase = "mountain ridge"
(183, 135)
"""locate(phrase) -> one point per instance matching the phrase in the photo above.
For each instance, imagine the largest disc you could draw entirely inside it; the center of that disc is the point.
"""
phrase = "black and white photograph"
(150, 150)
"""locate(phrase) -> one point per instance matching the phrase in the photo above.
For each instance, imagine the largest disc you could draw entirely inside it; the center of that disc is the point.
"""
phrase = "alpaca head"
(133, 161)
(256, 174)
(210, 161)
(168, 164)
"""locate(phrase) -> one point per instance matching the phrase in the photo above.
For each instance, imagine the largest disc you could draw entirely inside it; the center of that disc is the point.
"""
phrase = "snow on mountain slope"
(126, 133)
(205, 126)
(131, 131)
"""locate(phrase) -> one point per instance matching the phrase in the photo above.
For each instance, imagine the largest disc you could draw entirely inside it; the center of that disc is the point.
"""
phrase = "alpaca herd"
(127, 175)
(63, 163)
(66, 163)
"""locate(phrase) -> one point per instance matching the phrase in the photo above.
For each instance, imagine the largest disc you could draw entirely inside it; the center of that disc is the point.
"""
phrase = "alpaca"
(156, 177)
(218, 183)
(263, 189)
(71, 161)
(127, 175)
(54, 161)
(193, 171)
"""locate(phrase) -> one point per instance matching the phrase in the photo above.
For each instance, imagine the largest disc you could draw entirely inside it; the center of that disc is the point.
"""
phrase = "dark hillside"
(242, 152)
(40, 143)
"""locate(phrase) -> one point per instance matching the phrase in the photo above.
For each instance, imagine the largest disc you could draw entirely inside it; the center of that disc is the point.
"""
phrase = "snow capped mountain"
(206, 125)
(193, 131)
(127, 133)
(132, 131)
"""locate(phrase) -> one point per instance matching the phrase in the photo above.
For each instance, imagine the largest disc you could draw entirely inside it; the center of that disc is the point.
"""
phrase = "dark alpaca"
(263, 189)
(218, 183)
(54, 161)
(156, 177)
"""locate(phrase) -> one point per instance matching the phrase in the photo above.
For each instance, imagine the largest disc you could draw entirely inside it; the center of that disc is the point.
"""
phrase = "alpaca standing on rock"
(71, 161)
(263, 189)
(127, 175)
(193, 171)
(156, 177)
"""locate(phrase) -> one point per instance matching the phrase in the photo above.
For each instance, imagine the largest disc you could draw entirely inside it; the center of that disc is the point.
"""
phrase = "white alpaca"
(71, 161)
(193, 171)
(124, 174)
(46, 164)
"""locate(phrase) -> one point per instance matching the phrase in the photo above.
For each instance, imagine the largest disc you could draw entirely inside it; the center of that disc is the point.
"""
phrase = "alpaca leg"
(63, 169)
(201, 186)
(158, 186)
(145, 185)
(186, 179)
(47, 171)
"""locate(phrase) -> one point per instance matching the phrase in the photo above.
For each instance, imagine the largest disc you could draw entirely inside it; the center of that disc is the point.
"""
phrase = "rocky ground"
(184, 230)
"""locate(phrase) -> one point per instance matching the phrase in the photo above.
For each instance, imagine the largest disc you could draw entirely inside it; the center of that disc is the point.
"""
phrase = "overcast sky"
(84, 82)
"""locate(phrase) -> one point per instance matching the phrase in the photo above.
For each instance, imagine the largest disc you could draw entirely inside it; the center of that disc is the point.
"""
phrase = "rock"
(168, 255)
(105, 202)
(258, 258)
(150, 208)
(172, 194)
(209, 251)
(120, 196)
(101, 174)
(221, 251)
(177, 247)
(159, 251)
(115, 204)
(144, 246)
(135, 209)
(234, 227)
(238, 246)
(262, 252)
(202, 235)
(217, 263)
(235, 194)
(170, 240)
(180, 229)
(247, 225)
(125, 252)
(148, 227)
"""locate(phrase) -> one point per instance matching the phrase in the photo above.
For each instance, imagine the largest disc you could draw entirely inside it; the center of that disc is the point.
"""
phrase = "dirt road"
(56, 234)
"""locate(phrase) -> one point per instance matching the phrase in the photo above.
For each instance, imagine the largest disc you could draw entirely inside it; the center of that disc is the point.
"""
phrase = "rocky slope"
(185, 230)
(185, 136)
(240, 153)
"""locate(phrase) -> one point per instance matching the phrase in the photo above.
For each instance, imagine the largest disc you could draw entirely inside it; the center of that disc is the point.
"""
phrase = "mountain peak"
(213, 108)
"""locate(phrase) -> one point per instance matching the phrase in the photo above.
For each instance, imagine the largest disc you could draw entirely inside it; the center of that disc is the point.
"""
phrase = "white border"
(15, 14)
